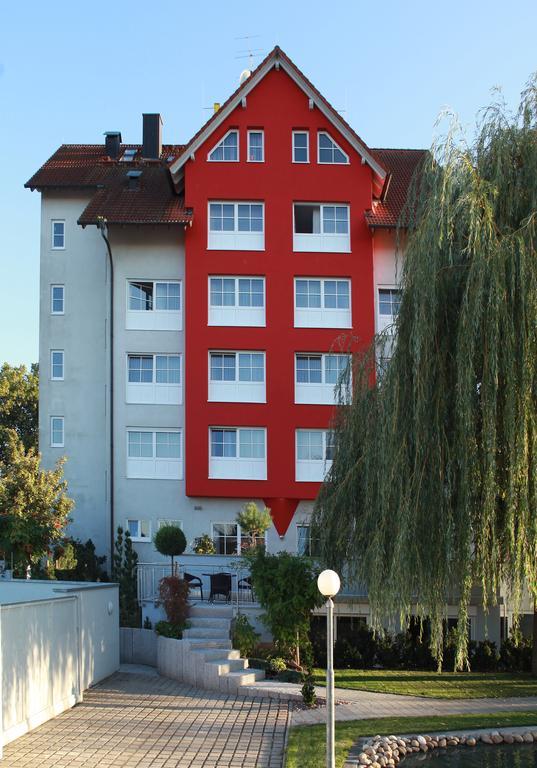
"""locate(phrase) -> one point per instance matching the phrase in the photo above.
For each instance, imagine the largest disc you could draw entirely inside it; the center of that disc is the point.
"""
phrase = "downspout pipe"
(103, 229)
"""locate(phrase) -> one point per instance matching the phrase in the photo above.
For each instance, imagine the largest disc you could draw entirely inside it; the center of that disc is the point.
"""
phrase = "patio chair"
(220, 585)
(245, 584)
(194, 582)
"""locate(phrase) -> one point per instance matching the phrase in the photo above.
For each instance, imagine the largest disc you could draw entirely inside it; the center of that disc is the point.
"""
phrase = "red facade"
(278, 106)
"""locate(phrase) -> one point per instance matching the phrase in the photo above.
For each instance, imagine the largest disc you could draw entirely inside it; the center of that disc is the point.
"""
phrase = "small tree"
(173, 593)
(125, 561)
(19, 397)
(286, 588)
(254, 522)
(204, 545)
(34, 506)
(170, 540)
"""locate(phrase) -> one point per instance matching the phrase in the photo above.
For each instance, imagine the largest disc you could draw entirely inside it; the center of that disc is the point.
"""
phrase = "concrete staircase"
(210, 662)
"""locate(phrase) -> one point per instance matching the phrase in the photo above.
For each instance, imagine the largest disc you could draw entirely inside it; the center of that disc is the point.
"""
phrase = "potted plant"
(204, 545)
(170, 540)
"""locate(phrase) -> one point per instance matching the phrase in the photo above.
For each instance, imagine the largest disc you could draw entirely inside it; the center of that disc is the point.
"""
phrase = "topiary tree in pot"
(170, 541)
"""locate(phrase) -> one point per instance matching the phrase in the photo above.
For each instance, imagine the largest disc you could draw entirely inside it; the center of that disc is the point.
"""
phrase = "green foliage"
(169, 629)
(34, 506)
(515, 654)
(124, 564)
(308, 690)
(19, 397)
(286, 588)
(88, 566)
(432, 488)
(243, 636)
(64, 555)
(254, 522)
(173, 595)
(147, 623)
(204, 545)
(277, 664)
(170, 540)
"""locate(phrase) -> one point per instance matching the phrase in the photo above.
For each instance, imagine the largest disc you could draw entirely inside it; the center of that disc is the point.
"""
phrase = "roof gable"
(278, 59)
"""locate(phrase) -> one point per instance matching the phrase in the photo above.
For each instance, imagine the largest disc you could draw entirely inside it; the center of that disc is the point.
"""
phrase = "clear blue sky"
(71, 70)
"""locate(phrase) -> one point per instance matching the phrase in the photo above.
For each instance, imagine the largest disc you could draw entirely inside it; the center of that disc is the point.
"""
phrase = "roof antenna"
(249, 53)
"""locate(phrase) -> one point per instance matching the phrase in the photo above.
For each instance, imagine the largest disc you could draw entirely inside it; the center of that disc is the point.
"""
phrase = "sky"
(70, 71)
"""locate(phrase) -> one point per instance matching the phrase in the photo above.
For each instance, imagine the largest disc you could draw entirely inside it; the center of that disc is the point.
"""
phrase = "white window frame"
(317, 393)
(322, 162)
(155, 467)
(323, 317)
(235, 390)
(382, 324)
(52, 443)
(154, 392)
(237, 315)
(237, 467)
(52, 287)
(262, 132)
(225, 537)
(139, 539)
(306, 553)
(154, 319)
(322, 242)
(300, 162)
(57, 247)
(52, 353)
(220, 141)
(235, 239)
(312, 470)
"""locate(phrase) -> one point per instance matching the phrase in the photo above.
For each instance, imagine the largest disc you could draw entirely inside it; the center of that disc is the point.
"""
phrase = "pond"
(482, 756)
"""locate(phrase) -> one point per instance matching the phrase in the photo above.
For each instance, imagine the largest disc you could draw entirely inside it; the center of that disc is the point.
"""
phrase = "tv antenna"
(249, 52)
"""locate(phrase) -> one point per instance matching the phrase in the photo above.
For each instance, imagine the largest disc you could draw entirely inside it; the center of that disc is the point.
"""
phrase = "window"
(236, 226)
(58, 234)
(154, 305)
(227, 150)
(256, 148)
(238, 453)
(321, 227)
(154, 379)
(237, 301)
(303, 540)
(314, 454)
(225, 537)
(301, 147)
(237, 377)
(56, 432)
(154, 454)
(56, 364)
(322, 303)
(140, 530)
(389, 302)
(57, 299)
(317, 375)
(328, 152)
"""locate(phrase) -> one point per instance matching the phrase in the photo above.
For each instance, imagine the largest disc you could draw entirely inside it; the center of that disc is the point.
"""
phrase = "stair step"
(209, 632)
(206, 621)
(211, 611)
(217, 654)
(228, 666)
(234, 680)
(202, 643)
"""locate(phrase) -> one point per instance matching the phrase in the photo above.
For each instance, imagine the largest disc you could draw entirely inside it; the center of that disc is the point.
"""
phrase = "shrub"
(244, 636)
(254, 522)
(255, 663)
(308, 691)
(290, 676)
(124, 563)
(277, 664)
(484, 657)
(515, 654)
(87, 566)
(173, 594)
(347, 655)
(168, 629)
(170, 540)
(204, 545)
(147, 623)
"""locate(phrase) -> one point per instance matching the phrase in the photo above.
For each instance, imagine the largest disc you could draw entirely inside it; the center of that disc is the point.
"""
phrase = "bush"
(484, 657)
(244, 637)
(255, 663)
(277, 664)
(308, 691)
(347, 656)
(170, 541)
(168, 629)
(173, 594)
(515, 654)
(204, 545)
(290, 676)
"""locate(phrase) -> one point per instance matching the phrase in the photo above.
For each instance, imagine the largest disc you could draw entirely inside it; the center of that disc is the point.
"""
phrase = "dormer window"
(227, 149)
(128, 155)
(328, 152)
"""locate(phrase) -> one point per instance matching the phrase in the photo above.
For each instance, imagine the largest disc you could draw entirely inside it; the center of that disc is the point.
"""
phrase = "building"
(198, 373)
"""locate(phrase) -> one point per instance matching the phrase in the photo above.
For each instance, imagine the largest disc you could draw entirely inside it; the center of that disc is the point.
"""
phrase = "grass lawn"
(307, 745)
(444, 685)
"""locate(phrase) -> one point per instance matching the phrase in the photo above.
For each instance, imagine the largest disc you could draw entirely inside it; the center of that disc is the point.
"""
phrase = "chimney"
(216, 107)
(112, 144)
(152, 136)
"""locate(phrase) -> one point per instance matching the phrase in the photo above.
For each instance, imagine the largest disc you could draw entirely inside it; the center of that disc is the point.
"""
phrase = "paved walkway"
(360, 705)
(140, 719)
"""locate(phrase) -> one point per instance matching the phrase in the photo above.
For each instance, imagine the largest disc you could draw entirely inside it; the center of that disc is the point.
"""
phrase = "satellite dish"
(245, 74)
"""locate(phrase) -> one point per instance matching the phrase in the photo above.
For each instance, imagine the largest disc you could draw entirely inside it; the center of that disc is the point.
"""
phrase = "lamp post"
(328, 583)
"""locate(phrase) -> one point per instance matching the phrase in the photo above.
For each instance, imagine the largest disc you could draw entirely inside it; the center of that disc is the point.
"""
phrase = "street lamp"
(328, 583)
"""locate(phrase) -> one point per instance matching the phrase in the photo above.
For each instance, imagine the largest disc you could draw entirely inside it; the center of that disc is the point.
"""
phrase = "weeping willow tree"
(433, 488)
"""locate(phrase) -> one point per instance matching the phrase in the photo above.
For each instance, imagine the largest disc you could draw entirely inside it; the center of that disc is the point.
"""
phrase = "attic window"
(129, 155)
(134, 179)
(227, 149)
(329, 152)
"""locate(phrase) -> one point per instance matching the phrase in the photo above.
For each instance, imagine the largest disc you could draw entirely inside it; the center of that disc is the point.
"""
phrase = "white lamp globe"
(328, 583)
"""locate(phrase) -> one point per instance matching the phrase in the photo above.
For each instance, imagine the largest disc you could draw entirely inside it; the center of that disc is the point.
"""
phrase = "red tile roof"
(401, 164)
(79, 166)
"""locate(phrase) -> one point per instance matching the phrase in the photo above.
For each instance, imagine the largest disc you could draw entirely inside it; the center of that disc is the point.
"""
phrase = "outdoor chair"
(220, 585)
(245, 584)
(194, 582)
